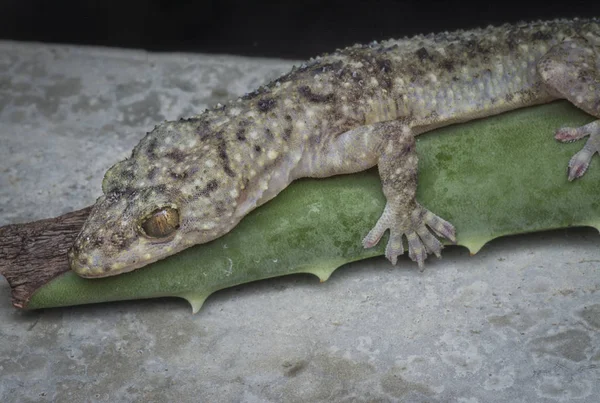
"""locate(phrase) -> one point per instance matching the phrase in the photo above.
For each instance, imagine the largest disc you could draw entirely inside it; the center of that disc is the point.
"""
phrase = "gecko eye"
(161, 223)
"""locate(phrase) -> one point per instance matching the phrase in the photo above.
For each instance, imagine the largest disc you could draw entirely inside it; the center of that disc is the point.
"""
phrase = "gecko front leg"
(403, 215)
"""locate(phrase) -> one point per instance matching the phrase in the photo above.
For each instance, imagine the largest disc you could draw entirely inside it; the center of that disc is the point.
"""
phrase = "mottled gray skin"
(340, 113)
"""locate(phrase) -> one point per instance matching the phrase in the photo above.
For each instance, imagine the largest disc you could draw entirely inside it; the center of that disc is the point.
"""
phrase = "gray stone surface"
(517, 322)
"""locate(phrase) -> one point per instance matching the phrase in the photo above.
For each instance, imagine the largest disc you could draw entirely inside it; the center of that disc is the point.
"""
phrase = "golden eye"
(161, 223)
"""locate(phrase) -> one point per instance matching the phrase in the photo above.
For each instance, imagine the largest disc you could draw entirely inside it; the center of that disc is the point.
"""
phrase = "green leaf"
(492, 177)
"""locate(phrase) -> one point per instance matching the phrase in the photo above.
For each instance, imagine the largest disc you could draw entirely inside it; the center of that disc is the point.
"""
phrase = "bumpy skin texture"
(191, 181)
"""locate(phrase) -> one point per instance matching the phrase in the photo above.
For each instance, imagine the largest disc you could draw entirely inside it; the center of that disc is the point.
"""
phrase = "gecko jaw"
(92, 267)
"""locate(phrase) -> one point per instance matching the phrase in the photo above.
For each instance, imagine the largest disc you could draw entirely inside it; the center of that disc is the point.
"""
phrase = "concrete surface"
(517, 322)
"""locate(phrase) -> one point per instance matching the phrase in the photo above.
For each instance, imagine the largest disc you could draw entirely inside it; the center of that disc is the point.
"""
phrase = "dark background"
(287, 29)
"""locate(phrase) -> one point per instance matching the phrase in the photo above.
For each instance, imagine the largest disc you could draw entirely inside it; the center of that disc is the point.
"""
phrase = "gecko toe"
(569, 134)
(440, 227)
(416, 250)
(373, 237)
(579, 164)
(394, 247)
(432, 244)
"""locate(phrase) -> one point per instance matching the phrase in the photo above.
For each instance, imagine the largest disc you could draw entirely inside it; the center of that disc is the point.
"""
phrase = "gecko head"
(173, 192)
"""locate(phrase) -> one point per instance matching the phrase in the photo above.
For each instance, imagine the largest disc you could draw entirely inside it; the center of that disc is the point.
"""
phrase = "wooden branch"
(34, 253)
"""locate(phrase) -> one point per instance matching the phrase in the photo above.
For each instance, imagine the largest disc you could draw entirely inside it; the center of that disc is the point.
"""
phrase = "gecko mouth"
(87, 272)
(87, 268)
(91, 265)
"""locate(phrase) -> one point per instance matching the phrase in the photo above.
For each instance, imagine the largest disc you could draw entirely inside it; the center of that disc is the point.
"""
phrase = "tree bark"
(34, 253)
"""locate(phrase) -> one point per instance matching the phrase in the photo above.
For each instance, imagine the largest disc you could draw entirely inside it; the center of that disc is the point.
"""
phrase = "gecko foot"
(580, 161)
(419, 229)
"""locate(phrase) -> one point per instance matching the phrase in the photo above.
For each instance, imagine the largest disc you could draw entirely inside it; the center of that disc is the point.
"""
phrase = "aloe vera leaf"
(492, 177)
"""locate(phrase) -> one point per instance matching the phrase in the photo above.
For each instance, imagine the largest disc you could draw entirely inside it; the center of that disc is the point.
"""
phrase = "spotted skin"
(339, 113)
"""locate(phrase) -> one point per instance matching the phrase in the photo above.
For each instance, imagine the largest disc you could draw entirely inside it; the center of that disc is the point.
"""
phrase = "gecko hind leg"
(403, 215)
(571, 70)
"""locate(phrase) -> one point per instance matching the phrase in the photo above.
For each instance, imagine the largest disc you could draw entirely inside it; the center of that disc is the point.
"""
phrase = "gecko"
(192, 180)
